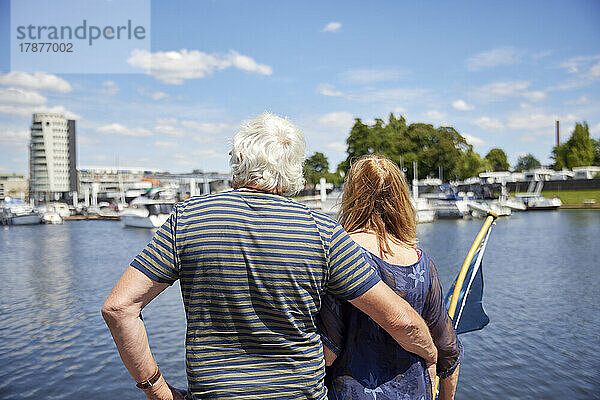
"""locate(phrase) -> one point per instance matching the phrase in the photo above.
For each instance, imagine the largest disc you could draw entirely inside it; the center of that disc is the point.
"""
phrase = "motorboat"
(513, 203)
(480, 209)
(150, 210)
(541, 203)
(52, 217)
(17, 212)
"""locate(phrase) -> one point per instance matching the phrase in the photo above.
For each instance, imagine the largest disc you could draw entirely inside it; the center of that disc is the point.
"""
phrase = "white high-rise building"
(52, 157)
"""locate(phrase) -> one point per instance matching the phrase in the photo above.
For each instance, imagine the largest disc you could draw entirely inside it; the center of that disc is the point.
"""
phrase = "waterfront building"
(13, 185)
(52, 158)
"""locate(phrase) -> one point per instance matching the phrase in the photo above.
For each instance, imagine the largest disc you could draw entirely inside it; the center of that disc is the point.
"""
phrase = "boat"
(52, 217)
(425, 212)
(150, 210)
(17, 212)
(481, 208)
(541, 203)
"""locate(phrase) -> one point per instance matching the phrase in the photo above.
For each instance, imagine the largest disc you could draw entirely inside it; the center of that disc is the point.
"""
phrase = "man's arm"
(448, 386)
(121, 311)
(399, 319)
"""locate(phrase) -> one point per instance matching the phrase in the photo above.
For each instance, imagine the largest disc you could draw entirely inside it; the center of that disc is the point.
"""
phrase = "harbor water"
(542, 292)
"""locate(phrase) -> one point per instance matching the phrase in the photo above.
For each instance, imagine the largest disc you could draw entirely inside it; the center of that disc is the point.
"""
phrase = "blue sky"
(500, 73)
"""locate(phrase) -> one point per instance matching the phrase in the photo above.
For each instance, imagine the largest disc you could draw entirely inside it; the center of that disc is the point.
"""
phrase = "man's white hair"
(268, 153)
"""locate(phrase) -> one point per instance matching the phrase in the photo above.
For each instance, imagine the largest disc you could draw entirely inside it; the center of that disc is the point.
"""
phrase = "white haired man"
(253, 266)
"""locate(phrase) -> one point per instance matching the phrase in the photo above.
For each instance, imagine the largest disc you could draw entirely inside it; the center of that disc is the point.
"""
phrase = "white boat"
(148, 211)
(61, 208)
(480, 209)
(541, 203)
(52, 217)
(17, 212)
(513, 203)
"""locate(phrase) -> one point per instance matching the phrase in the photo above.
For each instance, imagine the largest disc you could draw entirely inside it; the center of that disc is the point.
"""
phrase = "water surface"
(542, 290)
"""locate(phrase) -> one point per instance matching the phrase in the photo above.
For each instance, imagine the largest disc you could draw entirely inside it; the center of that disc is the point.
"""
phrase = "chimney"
(557, 133)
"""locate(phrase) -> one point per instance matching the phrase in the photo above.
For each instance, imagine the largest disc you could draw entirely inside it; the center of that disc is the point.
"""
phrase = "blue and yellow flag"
(464, 299)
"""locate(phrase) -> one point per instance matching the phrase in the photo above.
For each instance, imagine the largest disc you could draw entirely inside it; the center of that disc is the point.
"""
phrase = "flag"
(465, 304)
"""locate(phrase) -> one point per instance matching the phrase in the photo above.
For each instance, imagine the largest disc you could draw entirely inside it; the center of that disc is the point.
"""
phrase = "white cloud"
(339, 147)
(174, 67)
(205, 127)
(372, 75)
(392, 95)
(169, 130)
(594, 71)
(473, 139)
(503, 89)
(576, 65)
(327, 89)
(159, 143)
(488, 123)
(332, 27)
(580, 100)
(59, 110)
(36, 81)
(595, 130)
(118, 129)
(435, 116)
(399, 110)
(493, 58)
(342, 120)
(535, 95)
(14, 97)
(537, 120)
(154, 95)
(14, 137)
(461, 105)
(109, 88)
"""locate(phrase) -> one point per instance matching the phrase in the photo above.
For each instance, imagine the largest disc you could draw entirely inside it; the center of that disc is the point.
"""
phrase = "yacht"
(17, 212)
(541, 203)
(150, 210)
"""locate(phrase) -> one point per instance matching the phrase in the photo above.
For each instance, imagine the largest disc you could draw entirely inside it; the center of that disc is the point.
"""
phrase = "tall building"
(52, 158)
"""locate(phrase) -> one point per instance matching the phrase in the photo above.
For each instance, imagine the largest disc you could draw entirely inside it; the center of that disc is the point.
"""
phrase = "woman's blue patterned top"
(370, 364)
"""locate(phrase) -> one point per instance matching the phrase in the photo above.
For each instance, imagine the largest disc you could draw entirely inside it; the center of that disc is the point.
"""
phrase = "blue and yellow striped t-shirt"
(253, 267)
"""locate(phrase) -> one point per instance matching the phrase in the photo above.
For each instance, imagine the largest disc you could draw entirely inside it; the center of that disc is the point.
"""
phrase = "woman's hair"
(376, 198)
(268, 153)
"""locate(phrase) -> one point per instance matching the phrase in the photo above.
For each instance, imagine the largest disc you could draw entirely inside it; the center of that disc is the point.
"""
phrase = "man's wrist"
(158, 390)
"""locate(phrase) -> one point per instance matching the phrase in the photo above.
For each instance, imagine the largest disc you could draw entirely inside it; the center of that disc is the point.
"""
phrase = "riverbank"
(576, 197)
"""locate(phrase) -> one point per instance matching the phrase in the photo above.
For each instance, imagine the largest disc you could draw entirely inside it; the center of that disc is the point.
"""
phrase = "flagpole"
(491, 217)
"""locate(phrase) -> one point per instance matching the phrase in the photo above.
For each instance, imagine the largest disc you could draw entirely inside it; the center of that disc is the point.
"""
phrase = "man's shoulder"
(205, 199)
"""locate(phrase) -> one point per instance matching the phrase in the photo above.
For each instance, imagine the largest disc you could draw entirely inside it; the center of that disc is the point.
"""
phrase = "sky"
(500, 73)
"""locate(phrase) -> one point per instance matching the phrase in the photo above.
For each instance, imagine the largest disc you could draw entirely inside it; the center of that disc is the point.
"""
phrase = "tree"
(316, 167)
(578, 151)
(526, 163)
(597, 152)
(497, 159)
(432, 148)
(471, 164)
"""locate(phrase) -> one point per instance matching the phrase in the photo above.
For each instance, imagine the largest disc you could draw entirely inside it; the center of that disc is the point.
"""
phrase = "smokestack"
(558, 133)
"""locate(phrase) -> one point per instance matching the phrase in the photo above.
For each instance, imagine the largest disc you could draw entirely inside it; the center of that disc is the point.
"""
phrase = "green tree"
(432, 148)
(527, 162)
(578, 151)
(471, 164)
(597, 152)
(497, 158)
(316, 167)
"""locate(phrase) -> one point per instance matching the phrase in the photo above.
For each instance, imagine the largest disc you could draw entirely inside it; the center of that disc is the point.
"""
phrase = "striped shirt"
(253, 267)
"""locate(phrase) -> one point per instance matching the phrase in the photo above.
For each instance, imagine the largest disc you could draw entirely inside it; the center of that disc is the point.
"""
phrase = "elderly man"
(253, 266)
